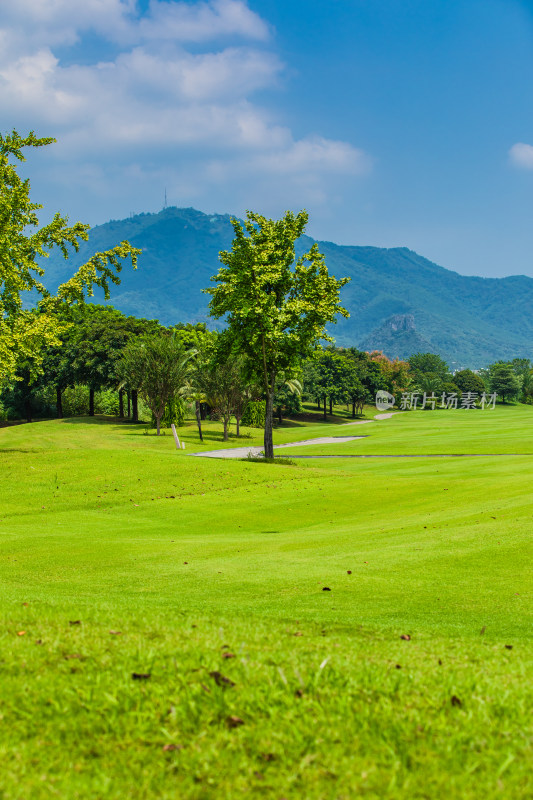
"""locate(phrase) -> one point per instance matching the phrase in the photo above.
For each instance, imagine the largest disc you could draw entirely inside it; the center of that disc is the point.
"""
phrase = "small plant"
(260, 459)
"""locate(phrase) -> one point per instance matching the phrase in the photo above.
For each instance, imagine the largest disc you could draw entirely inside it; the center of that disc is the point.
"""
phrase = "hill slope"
(398, 301)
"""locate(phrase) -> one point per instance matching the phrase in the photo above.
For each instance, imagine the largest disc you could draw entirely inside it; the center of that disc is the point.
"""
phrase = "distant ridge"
(398, 301)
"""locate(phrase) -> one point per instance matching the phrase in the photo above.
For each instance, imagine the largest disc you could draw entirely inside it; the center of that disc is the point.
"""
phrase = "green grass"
(168, 562)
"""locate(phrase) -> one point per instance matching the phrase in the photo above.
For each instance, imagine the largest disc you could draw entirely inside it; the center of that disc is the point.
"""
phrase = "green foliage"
(503, 381)
(24, 333)
(254, 414)
(276, 305)
(158, 367)
(225, 385)
(76, 400)
(174, 414)
(106, 402)
(429, 364)
(468, 381)
(284, 462)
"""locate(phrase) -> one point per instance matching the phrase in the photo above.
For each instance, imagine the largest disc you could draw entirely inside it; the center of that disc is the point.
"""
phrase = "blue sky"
(394, 122)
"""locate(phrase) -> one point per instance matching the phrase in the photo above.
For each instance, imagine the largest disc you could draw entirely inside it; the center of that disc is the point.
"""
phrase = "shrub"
(106, 402)
(254, 414)
(174, 413)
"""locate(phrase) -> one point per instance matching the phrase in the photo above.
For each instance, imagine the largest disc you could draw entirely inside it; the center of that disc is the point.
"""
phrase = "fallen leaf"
(326, 589)
(234, 722)
(169, 747)
(228, 655)
(185, 562)
(73, 655)
(349, 572)
(398, 666)
(21, 633)
(140, 676)
(483, 629)
(38, 641)
(115, 633)
(299, 693)
(405, 637)
(298, 633)
(268, 756)
(74, 622)
(205, 688)
(220, 679)
(456, 701)
(507, 646)
(25, 604)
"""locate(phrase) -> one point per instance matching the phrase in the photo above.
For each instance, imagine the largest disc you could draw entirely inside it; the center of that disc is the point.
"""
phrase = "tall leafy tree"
(96, 342)
(468, 381)
(22, 243)
(158, 366)
(503, 380)
(429, 364)
(276, 305)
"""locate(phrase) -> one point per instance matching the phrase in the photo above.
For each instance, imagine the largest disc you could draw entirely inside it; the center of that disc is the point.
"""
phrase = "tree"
(503, 381)
(23, 335)
(277, 306)
(287, 397)
(396, 375)
(326, 377)
(468, 381)
(201, 344)
(157, 366)
(429, 363)
(225, 384)
(100, 334)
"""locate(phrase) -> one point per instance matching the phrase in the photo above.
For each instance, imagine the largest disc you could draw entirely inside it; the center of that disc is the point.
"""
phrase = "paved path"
(243, 452)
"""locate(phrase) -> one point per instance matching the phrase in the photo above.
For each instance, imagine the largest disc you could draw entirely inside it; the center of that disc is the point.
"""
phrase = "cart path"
(244, 452)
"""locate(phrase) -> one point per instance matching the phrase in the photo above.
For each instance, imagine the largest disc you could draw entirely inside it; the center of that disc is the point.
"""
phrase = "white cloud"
(522, 155)
(317, 155)
(202, 22)
(175, 94)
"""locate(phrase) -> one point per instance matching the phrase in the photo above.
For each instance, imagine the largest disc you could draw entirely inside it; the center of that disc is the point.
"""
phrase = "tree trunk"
(199, 419)
(27, 407)
(330, 406)
(91, 402)
(59, 402)
(158, 425)
(353, 409)
(129, 404)
(121, 403)
(134, 406)
(238, 425)
(268, 441)
(225, 429)
(318, 405)
(325, 415)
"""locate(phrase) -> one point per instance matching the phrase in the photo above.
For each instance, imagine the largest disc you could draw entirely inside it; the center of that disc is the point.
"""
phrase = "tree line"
(106, 361)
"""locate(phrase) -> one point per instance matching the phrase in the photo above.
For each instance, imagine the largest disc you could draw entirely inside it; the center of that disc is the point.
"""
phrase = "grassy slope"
(96, 522)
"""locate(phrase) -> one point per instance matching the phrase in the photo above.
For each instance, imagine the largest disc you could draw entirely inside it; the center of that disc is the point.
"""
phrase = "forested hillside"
(398, 301)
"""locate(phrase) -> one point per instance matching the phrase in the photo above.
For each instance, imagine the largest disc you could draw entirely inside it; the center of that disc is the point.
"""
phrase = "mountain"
(398, 301)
